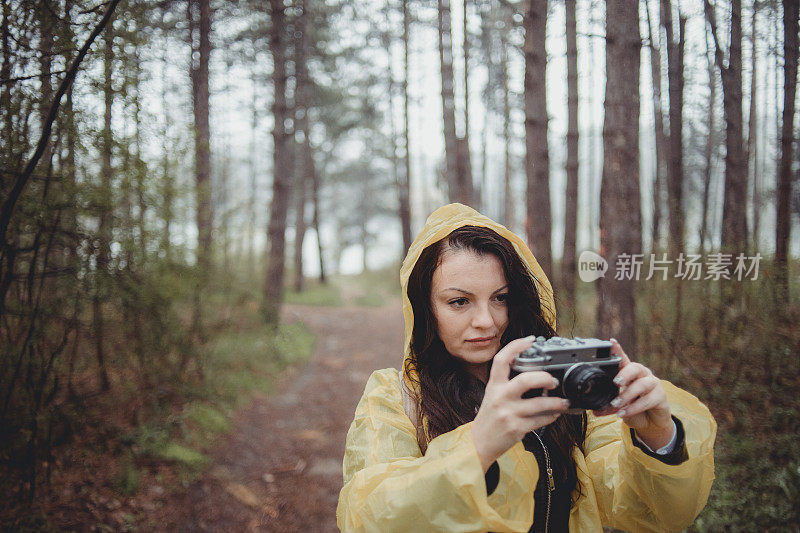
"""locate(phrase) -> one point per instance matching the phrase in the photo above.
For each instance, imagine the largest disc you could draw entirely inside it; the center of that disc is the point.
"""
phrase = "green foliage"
(240, 360)
(172, 451)
(127, 480)
(314, 294)
(736, 351)
(210, 421)
(735, 348)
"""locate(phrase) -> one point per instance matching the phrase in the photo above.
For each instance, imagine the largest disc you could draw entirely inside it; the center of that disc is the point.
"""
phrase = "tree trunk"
(538, 221)
(509, 217)
(300, 217)
(784, 185)
(46, 89)
(321, 255)
(568, 270)
(141, 167)
(202, 147)
(5, 73)
(104, 225)
(734, 224)
(710, 143)
(448, 99)
(251, 201)
(70, 162)
(464, 157)
(620, 215)
(303, 123)
(167, 185)
(404, 183)
(751, 149)
(658, 119)
(276, 230)
(675, 167)
(200, 85)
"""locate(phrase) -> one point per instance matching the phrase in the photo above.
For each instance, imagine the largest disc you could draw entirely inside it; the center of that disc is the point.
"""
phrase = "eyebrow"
(467, 292)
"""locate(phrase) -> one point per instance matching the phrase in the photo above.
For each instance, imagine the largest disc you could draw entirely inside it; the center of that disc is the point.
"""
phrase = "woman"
(448, 444)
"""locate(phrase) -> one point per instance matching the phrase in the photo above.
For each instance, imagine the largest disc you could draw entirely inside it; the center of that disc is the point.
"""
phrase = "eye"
(502, 298)
(458, 302)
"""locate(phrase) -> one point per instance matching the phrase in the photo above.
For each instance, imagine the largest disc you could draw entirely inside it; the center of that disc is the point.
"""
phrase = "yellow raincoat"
(389, 485)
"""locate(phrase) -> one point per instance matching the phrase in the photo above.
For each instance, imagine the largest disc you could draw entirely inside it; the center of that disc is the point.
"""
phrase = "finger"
(535, 422)
(543, 406)
(640, 387)
(501, 364)
(644, 403)
(617, 350)
(631, 373)
(535, 379)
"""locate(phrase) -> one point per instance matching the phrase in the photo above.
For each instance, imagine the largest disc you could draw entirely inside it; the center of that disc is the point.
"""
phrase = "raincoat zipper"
(551, 485)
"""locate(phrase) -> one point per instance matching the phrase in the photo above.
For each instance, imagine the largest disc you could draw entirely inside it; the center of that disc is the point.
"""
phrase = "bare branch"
(31, 77)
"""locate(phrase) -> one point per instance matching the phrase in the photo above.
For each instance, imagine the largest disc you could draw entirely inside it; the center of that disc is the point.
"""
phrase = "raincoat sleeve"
(636, 492)
(390, 486)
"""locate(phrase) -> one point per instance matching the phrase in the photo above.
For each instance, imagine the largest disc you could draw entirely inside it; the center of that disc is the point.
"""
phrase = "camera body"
(585, 369)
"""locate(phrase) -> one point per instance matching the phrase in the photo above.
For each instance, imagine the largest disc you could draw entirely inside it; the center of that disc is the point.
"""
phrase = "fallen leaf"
(243, 494)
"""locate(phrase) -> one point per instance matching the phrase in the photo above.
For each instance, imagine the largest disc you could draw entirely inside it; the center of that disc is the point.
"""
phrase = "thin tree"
(710, 141)
(448, 98)
(457, 170)
(658, 119)
(464, 155)
(751, 148)
(200, 22)
(568, 264)
(103, 251)
(734, 222)
(620, 214)
(251, 200)
(675, 51)
(303, 105)
(315, 185)
(400, 176)
(405, 187)
(537, 160)
(784, 178)
(281, 178)
(509, 215)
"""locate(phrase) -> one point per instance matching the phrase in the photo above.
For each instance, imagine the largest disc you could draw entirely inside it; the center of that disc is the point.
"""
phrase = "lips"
(481, 340)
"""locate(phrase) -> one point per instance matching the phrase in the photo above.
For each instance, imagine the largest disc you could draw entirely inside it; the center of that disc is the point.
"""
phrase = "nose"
(482, 319)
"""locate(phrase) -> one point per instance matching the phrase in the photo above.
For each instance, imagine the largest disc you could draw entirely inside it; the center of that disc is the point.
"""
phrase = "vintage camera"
(585, 369)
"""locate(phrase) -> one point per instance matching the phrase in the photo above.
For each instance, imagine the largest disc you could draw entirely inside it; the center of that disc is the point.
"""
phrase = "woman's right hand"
(504, 417)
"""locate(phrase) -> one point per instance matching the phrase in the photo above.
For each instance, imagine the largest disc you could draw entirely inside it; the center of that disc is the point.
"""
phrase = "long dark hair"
(449, 395)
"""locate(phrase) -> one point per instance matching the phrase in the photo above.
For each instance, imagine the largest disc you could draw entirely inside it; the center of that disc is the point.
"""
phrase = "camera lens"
(588, 387)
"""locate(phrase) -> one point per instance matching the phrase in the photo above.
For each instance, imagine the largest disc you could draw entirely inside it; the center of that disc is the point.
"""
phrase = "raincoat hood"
(439, 225)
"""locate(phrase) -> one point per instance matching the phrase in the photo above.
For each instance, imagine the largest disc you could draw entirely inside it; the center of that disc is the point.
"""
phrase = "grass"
(315, 293)
(239, 360)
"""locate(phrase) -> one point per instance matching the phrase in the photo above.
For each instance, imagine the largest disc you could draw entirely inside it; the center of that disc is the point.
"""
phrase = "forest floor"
(280, 468)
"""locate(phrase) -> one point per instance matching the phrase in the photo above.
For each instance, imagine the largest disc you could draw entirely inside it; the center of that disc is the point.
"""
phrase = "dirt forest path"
(280, 468)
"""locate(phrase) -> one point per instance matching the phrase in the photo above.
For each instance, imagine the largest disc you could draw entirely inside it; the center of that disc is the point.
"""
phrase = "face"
(468, 297)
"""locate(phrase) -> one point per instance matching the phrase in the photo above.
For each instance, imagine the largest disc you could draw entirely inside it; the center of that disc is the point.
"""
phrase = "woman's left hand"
(642, 402)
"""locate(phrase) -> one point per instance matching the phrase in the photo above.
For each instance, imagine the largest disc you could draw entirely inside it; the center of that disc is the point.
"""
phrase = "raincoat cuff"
(492, 478)
(676, 455)
(675, 464)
